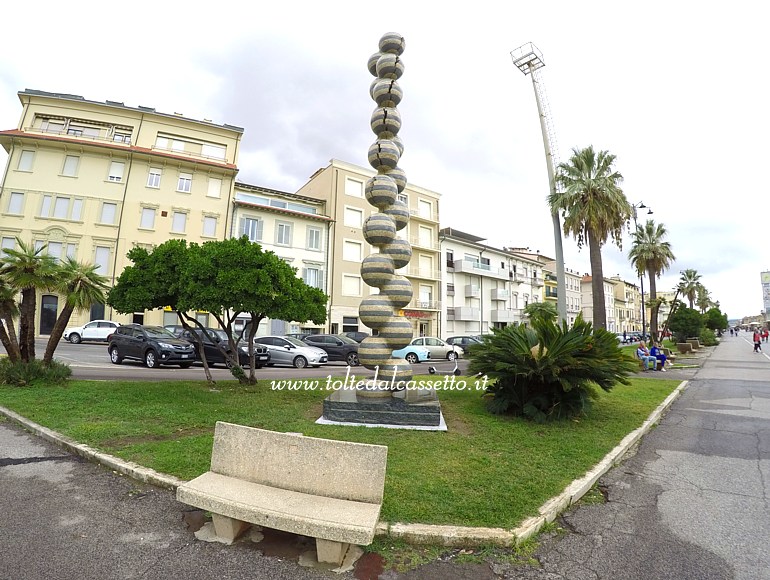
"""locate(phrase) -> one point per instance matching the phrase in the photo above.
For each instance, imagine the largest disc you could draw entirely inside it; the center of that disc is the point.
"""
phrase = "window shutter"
(242, 227)
(320, 279)
(258, 229)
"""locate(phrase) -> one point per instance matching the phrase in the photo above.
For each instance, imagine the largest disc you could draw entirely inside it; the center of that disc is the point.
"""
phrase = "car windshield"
(158, 332)
(345, 339)
(293, 341)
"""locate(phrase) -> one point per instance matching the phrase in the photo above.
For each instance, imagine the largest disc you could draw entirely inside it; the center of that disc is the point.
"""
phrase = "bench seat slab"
(337, 520)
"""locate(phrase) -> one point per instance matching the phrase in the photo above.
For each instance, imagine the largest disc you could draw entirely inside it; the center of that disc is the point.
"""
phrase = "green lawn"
(485, 471)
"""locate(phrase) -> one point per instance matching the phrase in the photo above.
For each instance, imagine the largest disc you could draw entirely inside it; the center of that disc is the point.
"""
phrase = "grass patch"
(485, 471)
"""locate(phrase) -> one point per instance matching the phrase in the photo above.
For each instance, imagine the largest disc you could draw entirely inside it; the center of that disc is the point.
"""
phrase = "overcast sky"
(678, 91)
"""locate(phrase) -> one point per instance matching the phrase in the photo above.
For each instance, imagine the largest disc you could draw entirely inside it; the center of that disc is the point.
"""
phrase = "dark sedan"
(338, 346)
(213, 348)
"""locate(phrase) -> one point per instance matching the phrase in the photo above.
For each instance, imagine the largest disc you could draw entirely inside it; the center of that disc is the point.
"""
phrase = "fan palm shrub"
(549, 371)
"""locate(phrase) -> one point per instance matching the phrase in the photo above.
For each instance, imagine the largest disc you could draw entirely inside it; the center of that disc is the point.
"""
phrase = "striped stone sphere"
(400, 144)
(386, 92)
(397, 174)
(373, 350)
(384, 155)
(396, 372)
(386, 122)
(390, 66)
(372, 63)
(399, 213)
(392, 42)
(375, 311)
(377, 270)
(397, 332)
(381, 190)
(400, 250)
(379, 229)
(399, 289)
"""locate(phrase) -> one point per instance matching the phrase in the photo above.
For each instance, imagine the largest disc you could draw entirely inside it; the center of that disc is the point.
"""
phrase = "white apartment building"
(609, 302)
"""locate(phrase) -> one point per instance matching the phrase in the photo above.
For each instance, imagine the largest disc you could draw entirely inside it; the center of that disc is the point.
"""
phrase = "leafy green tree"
(594, 209)
(549, 371)
(651, 255)
(81, 285)
(688, 285)
(715, 320)
(684, 323)
(28, 270)
(544, 310)
(235, 276)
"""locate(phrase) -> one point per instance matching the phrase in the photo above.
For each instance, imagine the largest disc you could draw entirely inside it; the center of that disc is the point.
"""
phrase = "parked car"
(413, 354)
(627, 340)
(338, 346)
(153, 345)
(438, 348)
(212, 350)
(97, 330)
(285, 350)
(463, 341)
(357, 336)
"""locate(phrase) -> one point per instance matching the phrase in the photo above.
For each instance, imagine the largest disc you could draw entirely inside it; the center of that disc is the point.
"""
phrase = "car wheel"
(151, 359)
(353, 359)
(186, 365)
(115, 356)
(75, 338)
(451, 355)
(412, 358)
(300, 362)
(228, 362)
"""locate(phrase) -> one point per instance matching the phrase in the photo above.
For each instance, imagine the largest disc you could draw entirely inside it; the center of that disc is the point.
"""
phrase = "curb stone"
(411, 533)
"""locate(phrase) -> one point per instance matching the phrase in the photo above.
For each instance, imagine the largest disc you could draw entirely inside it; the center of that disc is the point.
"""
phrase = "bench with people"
(652, 359)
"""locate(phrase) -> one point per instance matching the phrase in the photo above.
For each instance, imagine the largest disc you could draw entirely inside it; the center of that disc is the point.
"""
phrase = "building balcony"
(537, 281)
(517, 277)
(424, 305)
(472, 291)
(462, 313)
(417, 272)
(505, 315)
(500, 294)
(429, 243)
(479, 269)
(416, 213)
(450, 289)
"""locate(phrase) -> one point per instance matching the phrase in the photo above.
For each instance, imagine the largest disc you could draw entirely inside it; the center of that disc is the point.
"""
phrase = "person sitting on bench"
(658, 354)
(648, 361)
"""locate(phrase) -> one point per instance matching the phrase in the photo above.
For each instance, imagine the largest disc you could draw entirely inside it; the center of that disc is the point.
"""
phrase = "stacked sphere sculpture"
(378, 270)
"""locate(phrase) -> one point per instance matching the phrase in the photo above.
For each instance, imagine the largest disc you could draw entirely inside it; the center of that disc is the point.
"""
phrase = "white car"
(97, 330)
(439, 349)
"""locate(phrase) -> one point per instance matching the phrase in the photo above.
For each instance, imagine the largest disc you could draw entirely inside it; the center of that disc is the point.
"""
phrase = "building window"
(351, 285)
(425, 208)
(148, 218)
(353, 217)
(109, 211)
(7, 244)
(121, 138)
(77, 209)
(214, 151)
(185, 182)
(102, 260)
(70, 168)
(116, 171)
(25, 160)
(313, 277)
(283, 234)
(61, 207)
(179, 222)
(354, 187)
(313, 238)
(54, 250)
(215, 187)
(252, 229)
(209, 226)
(352, 251)
(349, 324)
(153, 179)
(16, 203)
(403, 198)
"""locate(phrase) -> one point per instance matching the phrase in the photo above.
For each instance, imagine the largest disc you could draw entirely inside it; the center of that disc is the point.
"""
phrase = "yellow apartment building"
(341, 186)
(92, 179)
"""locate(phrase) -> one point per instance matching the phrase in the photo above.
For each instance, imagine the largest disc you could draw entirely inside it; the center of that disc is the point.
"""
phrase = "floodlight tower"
(529, 60)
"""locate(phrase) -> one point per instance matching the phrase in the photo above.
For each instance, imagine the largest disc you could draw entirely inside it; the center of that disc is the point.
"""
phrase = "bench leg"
(331, 552)
(228, 528)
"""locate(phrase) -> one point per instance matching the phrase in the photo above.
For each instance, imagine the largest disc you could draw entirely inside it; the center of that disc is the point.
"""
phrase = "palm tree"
(82, 286)
(28, 270)
(688, 285)
(703, 298)
(594, 209)
(651, 255)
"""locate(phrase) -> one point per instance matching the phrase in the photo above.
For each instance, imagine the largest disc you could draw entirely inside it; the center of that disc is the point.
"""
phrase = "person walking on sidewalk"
(757, 341)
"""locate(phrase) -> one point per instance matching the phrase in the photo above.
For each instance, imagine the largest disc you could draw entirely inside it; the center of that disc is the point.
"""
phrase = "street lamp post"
(641, 205)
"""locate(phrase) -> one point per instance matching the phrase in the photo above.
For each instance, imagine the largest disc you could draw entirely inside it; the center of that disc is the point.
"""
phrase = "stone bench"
(694, 342)
(325, 489)
(684, 347)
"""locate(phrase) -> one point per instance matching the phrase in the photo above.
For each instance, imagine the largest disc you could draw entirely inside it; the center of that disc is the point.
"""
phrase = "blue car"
(413, 354)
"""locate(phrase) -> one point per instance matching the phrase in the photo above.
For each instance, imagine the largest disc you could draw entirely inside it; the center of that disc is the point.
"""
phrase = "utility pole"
(528, 59)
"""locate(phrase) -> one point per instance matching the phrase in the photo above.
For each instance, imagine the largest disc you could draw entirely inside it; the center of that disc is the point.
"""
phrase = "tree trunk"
(14, 353)
(671, 311)
(255, 320)
(56, 332)
(597, 281)
(654, 309)
(5, 339)
(199, 341)
(27, 324)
